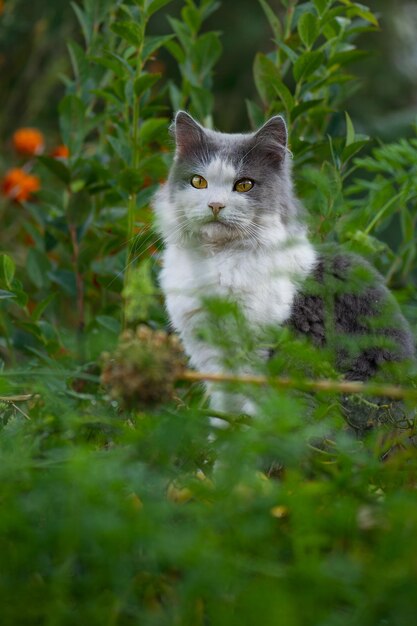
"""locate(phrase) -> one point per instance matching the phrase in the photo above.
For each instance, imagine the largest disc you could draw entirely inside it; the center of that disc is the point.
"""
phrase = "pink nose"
(216, 207)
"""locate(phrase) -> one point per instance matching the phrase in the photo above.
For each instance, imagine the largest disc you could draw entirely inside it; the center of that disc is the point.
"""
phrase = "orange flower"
(60, 152)
(18, 185)
(28, 141)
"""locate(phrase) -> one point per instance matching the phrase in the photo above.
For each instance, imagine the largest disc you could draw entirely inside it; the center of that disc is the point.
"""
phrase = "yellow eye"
(244, 185)
(199, 182)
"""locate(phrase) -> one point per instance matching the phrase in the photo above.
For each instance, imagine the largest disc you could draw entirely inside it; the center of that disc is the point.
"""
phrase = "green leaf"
(347, 56)
(77, 185)
(183, 33)
(265, 72)
(291, 54)
(57, 167)
(109, 323)
(7, 270)
(307, 64)
(37, 267)
(175, 49)
(109, 96)
(65, 279)
(272, 19)
(140, 293)
(176, 96)
(407, 224)
(207, 51)
(98, 9)
(130, 180)
(48, 333)
(152, 6)
(114, 62)
(284, 94)
(144, 82)
(303, 107)
(152, 129)
(85, 23)
(208, 7)
(353, 148)
(153, 166)
(350, 131)
(79, 62)
(359, 10)
(269, 83)
(79, 209)
(42, 330)
(308, 29)
(154, 43)
(5, 295)
(72, 122)
(192, 17)
(129, 31)
(19, 293)
(41, 306)
(255, 113)
(321, 5)
(202, 101)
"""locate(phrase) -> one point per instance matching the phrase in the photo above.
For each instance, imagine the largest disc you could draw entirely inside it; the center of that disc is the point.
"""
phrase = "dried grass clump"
(144, 367)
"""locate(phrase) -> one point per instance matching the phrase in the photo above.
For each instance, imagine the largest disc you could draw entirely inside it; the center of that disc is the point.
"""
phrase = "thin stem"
(381, 212)
(230, 418)
(131, 209)
(78, 278)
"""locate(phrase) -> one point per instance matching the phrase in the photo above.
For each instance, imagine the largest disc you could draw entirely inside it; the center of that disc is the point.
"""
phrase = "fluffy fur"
(255, 252)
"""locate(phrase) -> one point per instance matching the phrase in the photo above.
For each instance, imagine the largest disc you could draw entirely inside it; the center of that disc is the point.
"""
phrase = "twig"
(19, 398)
(283, 382)
(25, 415)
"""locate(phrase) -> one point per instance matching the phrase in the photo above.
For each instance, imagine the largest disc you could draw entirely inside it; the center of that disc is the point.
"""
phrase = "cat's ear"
(272, 138)
(187, 132)
(274, 129)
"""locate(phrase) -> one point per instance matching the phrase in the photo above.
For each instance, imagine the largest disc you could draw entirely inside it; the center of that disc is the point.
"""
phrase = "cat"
(233, 228)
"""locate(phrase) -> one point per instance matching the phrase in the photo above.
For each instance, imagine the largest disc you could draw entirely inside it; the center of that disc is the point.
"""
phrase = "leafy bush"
(121, 514)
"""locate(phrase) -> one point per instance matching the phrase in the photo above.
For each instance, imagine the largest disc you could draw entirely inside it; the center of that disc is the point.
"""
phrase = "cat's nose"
(216, 207)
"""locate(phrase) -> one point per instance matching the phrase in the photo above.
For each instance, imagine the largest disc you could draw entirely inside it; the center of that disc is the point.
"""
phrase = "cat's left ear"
(188, 134)
(272, 138)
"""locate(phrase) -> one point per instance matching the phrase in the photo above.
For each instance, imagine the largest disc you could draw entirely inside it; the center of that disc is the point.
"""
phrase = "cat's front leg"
(210, 359)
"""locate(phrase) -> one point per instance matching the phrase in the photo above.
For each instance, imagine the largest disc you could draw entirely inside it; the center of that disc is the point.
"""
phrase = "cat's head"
(226, 188)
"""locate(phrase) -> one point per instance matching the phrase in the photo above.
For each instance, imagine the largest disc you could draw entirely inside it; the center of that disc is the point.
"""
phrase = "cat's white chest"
(262, 284)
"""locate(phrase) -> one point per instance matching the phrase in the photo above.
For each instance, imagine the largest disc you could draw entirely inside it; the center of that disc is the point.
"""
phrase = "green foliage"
(196, 56)
(306, 79)
(117, 511)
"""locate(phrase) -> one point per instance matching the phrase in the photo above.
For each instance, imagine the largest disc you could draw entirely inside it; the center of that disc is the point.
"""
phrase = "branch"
(349, 387)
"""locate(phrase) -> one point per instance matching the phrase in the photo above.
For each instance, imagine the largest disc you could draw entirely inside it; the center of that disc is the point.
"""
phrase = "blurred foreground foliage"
(122, 513)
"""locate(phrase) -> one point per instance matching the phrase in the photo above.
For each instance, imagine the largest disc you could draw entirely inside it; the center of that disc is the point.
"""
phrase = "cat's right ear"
(187, 132)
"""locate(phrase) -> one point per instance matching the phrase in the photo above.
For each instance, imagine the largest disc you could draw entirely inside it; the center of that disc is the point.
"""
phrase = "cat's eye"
(199, 182)
(244, 185)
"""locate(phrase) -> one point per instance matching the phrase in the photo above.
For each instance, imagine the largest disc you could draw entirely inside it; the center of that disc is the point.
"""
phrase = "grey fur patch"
(344, 305)
(345, 299)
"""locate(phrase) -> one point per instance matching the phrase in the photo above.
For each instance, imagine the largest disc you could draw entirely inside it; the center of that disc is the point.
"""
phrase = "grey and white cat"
(233, 228)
